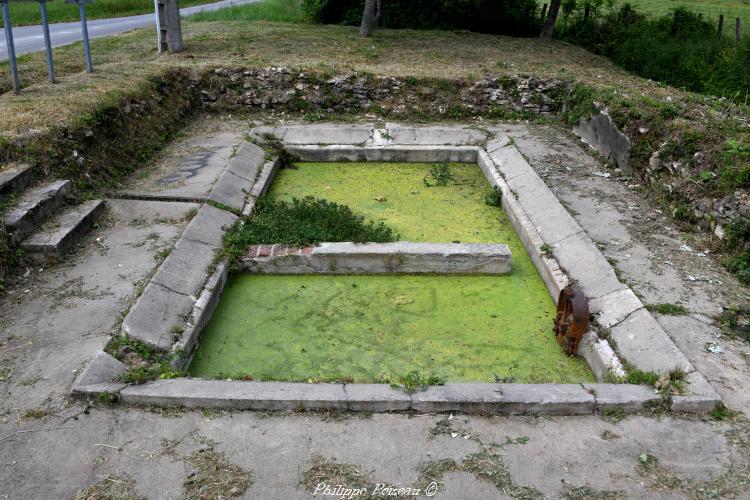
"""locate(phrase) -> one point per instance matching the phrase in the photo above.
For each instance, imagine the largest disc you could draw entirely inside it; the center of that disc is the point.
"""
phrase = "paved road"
(30, 38)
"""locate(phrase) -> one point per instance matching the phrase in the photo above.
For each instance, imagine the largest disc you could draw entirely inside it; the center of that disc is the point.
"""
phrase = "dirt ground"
(53, 320)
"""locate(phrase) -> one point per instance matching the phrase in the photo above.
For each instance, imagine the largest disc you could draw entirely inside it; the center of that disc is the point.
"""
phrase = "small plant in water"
(441, 175)
(494, 198)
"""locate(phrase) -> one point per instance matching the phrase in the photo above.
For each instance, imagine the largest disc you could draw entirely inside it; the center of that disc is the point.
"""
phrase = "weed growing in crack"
(144, 363)
(413, 381)
(546, 249)
(668, 309)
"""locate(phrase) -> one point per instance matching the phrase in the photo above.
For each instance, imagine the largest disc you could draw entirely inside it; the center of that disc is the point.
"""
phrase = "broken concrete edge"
(203, 309)
(262, 184)
(400, 257)
(469, 398)
(101, 375)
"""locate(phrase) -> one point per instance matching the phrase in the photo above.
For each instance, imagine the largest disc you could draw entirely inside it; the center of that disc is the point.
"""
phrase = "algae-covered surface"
(377, 328)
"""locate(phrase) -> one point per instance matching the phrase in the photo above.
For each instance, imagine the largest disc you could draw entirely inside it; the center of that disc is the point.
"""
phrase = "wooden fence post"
(721, 26)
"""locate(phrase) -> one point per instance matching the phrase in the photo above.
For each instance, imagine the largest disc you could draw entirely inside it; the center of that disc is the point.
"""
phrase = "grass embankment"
(651, 114)
(27, 13)
(379, 328)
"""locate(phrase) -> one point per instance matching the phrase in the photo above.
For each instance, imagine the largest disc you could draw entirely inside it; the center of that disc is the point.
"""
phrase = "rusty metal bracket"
(572, 320)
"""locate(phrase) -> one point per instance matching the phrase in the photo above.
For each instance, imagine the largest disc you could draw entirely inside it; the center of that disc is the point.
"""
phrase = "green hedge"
(506, 17)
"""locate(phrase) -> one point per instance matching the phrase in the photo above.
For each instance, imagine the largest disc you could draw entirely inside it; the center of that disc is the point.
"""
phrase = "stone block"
(583, 262)
(510, 163)
(600, 357)
(699, 396)
(627, 397)
(69, 227)
(430, 136)
(103, 369)
(416, 154)
(543, 208)
(326, 134)
(376, 398)
(400, 257)
(184, 269)
(642, 342)
(614, 307)
(35, 206)
(240, 395)
(247, 161)
(152, 317)
(15, 178)
(209, 225)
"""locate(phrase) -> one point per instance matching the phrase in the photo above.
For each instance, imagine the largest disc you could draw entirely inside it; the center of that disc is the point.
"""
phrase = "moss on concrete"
(377, 328)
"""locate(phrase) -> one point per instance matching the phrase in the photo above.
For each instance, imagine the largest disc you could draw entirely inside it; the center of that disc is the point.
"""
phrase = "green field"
(377, 328)
(711, 9)
(283, 11)
(25, 13)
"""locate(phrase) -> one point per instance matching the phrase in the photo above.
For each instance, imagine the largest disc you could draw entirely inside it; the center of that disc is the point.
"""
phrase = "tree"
(368, 18)
(549, 24)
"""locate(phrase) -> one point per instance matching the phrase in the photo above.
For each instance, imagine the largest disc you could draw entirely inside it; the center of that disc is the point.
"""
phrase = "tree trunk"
(368, 18)
(379, 15)
(549, 24)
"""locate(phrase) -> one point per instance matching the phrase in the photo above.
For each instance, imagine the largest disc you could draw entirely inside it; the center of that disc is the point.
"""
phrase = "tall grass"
(284, 11)
(26, 13)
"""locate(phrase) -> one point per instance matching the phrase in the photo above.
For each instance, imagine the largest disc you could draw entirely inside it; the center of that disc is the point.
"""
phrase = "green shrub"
(737, 247)
(506, 17)
(303, 222)
(680, 48)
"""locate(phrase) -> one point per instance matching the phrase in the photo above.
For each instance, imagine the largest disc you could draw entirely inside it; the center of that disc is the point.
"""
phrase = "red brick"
(264, 250)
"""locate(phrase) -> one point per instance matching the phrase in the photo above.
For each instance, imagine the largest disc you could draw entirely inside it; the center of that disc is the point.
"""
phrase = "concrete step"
(60, 234)
(33, 207)
(15, 179)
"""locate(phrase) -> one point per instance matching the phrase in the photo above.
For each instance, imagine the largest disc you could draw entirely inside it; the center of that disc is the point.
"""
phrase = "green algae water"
(377, 328)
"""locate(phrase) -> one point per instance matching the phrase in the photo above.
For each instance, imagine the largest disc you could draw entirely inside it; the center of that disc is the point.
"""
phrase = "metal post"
(737, 31)
(11, 47)
(47, 41)
(85, 31)
(158, 25)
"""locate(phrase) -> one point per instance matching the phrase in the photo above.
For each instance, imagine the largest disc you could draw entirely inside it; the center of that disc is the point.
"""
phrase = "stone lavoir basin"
(378, 328)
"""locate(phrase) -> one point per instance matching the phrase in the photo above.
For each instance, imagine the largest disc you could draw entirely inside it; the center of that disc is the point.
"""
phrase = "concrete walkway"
(30, 39)
(53, 321)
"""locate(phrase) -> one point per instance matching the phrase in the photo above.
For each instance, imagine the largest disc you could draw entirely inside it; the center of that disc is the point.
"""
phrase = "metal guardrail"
(8, 27)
